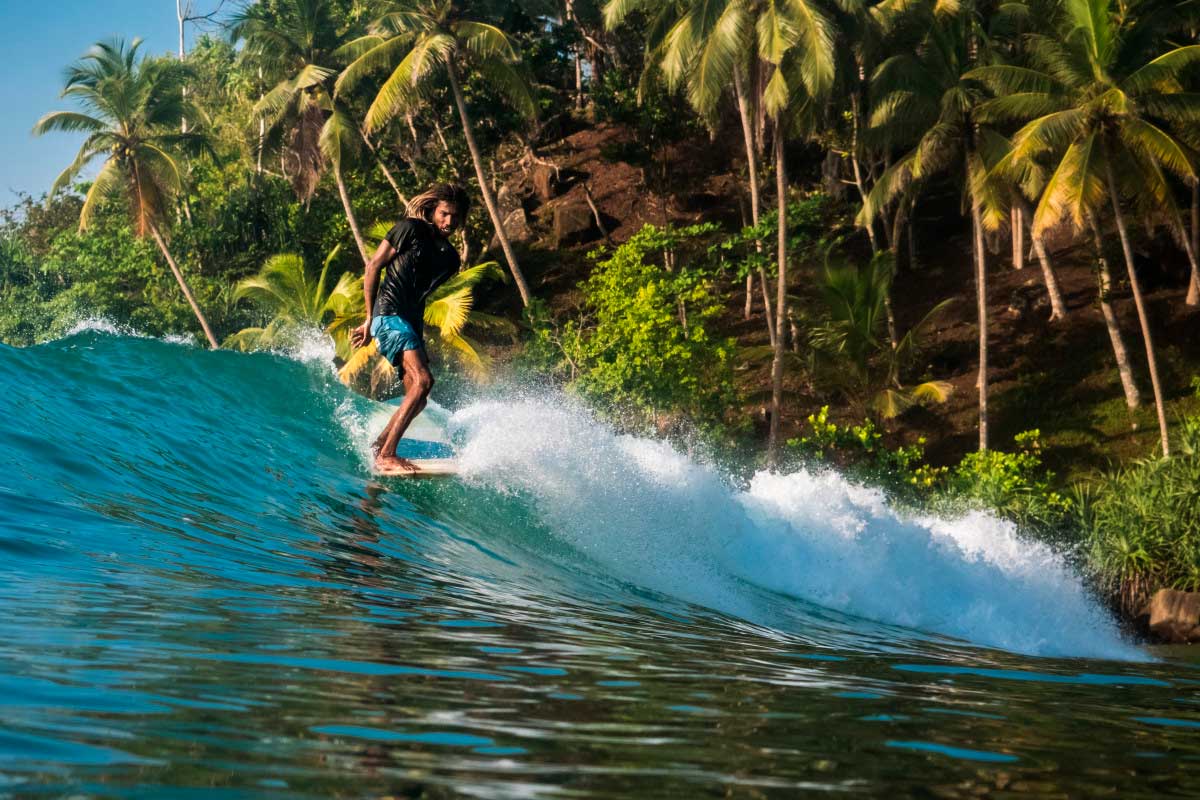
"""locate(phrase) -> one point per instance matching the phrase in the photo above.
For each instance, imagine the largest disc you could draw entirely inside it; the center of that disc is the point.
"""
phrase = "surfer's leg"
(418, 382)
(409, 389)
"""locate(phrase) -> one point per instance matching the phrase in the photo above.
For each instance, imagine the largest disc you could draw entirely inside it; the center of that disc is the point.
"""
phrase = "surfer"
(419, 258)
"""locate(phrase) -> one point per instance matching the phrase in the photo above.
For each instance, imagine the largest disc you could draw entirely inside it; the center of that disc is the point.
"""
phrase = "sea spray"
(656, 518)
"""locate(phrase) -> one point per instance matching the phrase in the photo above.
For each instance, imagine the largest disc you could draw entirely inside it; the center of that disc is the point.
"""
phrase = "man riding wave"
(418, 259)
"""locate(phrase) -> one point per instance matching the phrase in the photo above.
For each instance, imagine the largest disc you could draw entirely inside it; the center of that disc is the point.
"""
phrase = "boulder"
(1027, 299)
(574, 224)
(508, 198)
(1175, 615)
(545, 182)
(516, 225)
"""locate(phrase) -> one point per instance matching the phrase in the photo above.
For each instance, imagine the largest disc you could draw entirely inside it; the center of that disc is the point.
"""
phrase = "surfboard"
(426, 468)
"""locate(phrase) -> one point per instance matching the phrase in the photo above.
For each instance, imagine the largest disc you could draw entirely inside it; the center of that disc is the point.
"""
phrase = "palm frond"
(1075, 189)
(512, 85)
(383, 54)
(449, 313)
(1152, 142)
(1167, 67)
(339, 137)
(815, 38)
(402, 89)
(358, 362)
(483, 40)
(68, 121)
(107, 184)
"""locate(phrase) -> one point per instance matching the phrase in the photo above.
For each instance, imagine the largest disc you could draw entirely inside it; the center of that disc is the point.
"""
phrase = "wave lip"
(654, 517)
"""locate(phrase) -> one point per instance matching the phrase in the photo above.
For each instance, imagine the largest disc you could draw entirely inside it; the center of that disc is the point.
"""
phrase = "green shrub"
(1142, 524)
(642, 343)
(859, 452)
(1014, 485)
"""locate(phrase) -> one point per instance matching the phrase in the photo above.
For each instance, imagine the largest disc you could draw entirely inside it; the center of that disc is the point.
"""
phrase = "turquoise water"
(204, 593)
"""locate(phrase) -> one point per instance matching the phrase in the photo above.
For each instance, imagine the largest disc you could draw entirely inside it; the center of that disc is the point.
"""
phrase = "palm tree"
(411, 41)
(797, 40)
(297, 39)
(284, 289)
(132, 116)
(924, 98)
(707, 47)
(1100, 104)
(855, 345)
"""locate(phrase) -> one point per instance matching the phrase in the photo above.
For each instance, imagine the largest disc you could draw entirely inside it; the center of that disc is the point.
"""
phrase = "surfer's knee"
(424, 382)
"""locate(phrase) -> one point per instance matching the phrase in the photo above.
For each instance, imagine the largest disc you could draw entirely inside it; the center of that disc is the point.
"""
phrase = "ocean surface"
(204, 593)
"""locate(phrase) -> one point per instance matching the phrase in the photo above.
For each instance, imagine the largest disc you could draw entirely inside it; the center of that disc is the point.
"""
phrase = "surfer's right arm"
(362, 334)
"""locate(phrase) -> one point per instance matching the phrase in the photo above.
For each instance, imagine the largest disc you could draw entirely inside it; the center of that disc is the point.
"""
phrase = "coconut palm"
(297, 40)
(796, 39)
(1100, 104)
(284, 289)
(132, 115)
(707, 47)
(703, 46)
(925, 102)
(853, 342)
(411, 41)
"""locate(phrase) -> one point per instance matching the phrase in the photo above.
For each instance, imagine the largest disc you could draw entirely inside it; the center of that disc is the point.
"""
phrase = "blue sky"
(39, 42)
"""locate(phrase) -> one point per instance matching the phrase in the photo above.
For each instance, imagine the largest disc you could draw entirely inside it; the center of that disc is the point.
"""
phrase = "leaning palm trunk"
(484, 186)
(1193, 295)
(1143, 320)
(358, 237)
(752, 166)
(781, 297)
(187, 292)
(1133, 397)
(387, 174)
(1189, 248)
(1058, 309)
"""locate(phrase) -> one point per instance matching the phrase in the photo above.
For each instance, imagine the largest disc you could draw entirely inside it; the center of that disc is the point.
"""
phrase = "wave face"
(202, 586)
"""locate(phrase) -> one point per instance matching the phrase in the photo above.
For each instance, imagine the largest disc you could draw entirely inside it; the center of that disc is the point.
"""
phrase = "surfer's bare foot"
(394, 463)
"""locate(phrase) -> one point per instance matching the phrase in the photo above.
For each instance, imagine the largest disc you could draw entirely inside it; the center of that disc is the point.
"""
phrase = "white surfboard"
(425, 468)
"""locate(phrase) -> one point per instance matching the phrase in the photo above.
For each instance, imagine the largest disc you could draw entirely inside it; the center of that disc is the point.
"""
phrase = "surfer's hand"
(360, 335)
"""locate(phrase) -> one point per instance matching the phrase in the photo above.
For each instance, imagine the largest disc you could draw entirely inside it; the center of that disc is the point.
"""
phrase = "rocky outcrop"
(516, 225)
(574, 224)
(1175, 615)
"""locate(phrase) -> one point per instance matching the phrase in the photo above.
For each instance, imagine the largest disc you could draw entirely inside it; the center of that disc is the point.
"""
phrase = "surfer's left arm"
(362, 334)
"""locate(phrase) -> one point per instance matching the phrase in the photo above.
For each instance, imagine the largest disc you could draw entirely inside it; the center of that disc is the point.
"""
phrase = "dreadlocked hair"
(422, 205)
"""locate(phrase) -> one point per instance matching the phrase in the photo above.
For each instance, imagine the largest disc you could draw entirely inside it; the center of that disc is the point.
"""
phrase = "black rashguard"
(423, 262)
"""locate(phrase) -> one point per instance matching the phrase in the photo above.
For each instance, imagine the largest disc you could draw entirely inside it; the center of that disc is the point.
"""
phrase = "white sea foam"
(91, 324)
(656, 518)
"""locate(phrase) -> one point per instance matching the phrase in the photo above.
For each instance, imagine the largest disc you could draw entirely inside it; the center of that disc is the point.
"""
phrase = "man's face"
(446, 218)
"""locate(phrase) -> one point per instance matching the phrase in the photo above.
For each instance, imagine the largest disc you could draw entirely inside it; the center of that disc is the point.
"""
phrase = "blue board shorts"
(394, 335)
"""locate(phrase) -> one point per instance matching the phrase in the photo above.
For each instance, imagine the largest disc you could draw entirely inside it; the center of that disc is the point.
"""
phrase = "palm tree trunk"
(981, 306)
(781, 297)
(484, 187)
(1058, 309)
(1193, 295)
(387, 174)
(358, 237)
(187, 292)
(1143, 320)
(981, 311)
(1133, 397)
(1017, 218)
(755, 194)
